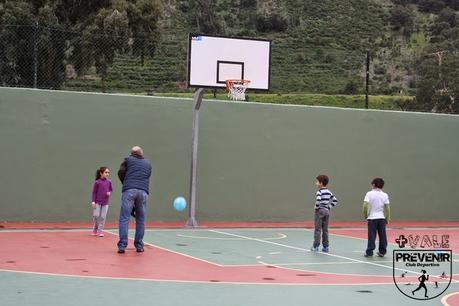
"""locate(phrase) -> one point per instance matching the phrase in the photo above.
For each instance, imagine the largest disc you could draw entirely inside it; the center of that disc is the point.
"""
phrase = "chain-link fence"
(40, 56)
(48, 57)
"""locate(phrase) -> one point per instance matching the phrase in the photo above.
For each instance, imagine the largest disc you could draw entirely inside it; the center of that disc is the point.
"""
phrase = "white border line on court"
(192, 282)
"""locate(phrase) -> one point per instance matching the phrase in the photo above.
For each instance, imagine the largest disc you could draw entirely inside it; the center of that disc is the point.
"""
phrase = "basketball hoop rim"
(231, 82)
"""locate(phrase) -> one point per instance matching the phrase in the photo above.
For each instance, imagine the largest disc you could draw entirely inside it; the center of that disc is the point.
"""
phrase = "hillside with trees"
(319, 47)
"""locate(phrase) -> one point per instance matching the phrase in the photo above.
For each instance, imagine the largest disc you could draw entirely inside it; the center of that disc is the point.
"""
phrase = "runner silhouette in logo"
(422, 279)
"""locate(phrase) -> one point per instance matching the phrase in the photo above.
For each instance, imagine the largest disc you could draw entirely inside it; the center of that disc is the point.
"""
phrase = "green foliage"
(38, 38)
(346, 101)
(318, 47)
(438, 67)
(402, 20)
(144, 19)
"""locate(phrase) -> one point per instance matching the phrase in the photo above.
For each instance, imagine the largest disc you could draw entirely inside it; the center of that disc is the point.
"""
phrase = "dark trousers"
(377, 226)
(321, 218)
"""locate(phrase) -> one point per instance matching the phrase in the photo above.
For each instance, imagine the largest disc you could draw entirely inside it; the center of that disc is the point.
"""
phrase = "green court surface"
(276, 250)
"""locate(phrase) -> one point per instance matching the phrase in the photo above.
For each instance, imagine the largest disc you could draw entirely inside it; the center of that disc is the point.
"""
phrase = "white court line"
(320, 263)
(46, 230)
(280, 236)
(444, 300)
(191, 281)
(327, 254)
(175, 252)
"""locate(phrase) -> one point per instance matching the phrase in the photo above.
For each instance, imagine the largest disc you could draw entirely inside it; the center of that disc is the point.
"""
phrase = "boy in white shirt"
(376, 210)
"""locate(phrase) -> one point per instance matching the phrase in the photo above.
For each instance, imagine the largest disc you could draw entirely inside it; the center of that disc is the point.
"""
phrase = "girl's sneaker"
(101, 234)
(94, 233)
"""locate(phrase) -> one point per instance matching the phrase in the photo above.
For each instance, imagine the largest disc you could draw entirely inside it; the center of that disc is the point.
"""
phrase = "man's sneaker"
(140, 250)
(366, 255)
(315, 249)
(121, 251)
(101, 235)
(380, 254)
(326, 250)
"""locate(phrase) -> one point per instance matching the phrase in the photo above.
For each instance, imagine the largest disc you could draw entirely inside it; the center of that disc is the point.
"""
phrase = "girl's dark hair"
(378, 182)
(323, 179)
(100, 171)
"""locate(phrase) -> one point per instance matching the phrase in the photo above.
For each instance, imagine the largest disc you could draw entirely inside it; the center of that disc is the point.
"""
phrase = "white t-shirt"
(376, 200)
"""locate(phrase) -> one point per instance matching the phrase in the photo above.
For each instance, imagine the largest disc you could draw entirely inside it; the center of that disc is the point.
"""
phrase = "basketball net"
(236, 89)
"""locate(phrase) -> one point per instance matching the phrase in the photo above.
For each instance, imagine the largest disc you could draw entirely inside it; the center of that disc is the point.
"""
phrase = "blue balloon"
(179, 203)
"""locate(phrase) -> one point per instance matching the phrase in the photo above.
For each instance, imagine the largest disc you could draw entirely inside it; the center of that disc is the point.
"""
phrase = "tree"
(401, 20)
(144, 18)
(431, 6)
(351, 88)
(17, 43)
(39, 37)
(271, 16)
(206, 20)
(108, 35)
(438, 68)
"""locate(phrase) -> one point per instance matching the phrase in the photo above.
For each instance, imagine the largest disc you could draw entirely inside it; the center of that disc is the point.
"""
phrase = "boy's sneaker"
(380, 254)
(101, 235)
(315, 249)
(326, 249)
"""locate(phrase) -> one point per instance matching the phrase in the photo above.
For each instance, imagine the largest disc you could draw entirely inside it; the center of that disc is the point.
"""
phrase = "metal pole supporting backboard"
(197, 99)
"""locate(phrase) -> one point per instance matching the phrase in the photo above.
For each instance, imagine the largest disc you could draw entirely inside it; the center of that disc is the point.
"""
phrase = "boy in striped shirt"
(324, 201)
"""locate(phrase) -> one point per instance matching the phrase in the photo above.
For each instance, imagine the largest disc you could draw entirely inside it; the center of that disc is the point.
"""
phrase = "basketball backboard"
(214, 59)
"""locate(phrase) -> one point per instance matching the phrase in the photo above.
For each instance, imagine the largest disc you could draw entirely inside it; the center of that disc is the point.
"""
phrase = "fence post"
(35, 55)
(367, 79)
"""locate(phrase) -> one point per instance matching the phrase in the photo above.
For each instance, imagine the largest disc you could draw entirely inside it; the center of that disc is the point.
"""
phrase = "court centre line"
(280, 236)
(328, 254)
(318, 263)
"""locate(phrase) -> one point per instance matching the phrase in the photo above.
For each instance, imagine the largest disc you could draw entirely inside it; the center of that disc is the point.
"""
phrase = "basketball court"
(210, 264)
(228, 266)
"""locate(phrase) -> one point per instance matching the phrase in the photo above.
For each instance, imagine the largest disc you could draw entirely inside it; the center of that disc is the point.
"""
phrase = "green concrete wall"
(257, 162)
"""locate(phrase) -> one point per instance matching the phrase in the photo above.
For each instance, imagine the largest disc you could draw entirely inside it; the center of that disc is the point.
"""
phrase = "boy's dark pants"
(377, 226)
(321, 217)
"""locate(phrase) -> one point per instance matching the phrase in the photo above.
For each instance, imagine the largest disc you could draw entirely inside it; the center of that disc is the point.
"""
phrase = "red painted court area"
(451, 299)
(77, 253)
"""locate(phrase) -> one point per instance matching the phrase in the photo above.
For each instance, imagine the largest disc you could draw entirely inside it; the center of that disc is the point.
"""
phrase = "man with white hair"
(134, 174)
